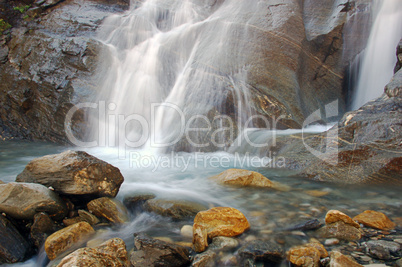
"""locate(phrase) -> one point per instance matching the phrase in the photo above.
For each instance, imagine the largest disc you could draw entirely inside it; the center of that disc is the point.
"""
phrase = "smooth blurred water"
(378, 60)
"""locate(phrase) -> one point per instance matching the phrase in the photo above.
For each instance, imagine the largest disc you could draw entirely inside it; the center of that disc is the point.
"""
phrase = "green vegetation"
(22, 9)
(4, 25)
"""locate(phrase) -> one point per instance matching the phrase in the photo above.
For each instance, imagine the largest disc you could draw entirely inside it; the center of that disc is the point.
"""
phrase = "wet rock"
(331, 242)
(176, 209)
(340, 230)
(24, 200)
(375, 220)
(223, 243)
(110, 253)
(306, 226)
(316, 193)
(66, 238)
(136, 202)
(152, 252)
(42, 227)
(333, 216)
(383, 250)
(74, 173)
(220, 221)
(86, 216)
(259, 251)
(394, 87)
(40, 82)
(13, 247)
(239, 177)
(3, 54)
(365, 144)
(317, 245)
(304, 256)
(187, 231)
(109, 208)
(71, 221)
(340, 260)
(205, 259)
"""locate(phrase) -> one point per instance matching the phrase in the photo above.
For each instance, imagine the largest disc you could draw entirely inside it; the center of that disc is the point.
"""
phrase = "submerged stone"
(153, 252)
(176, 209)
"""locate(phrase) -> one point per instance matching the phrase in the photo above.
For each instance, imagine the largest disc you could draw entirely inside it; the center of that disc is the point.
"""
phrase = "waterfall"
(378, 59)
(170, 61)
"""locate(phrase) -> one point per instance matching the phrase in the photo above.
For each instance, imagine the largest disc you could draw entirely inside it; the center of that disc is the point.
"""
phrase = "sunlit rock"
(74, 173)
(109, 208)
(220, 221)
(375, 219)
(336, 216)
(110, 253)
(66, 238)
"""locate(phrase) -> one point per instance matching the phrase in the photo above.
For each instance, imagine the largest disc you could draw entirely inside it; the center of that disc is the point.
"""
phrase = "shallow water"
(184, 176)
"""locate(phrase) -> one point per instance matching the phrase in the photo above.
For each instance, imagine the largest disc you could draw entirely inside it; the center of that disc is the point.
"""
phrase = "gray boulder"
(74, 173)
(24, 200)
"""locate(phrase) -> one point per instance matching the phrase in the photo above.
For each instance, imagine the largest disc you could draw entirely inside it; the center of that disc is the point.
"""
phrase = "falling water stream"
(174, 53)
(378, 59)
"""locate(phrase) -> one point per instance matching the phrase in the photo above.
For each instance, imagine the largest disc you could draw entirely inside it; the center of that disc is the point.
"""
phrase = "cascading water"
(378, 59)
(169, 60)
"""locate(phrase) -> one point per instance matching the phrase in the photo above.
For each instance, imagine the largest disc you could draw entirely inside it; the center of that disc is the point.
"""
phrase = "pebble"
(365, 258)
(187, 231)
(331, 241)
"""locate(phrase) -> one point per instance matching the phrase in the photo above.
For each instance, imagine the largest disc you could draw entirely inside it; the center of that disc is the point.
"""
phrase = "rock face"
(66, 238)
(49, 58)
(238, 177)
(175, 209)
(375, 219)
(109, 208)
(363, 148)
(110, 253)
(220, 221)
(13, 247)
(74, 173)
(24, 200)
(152, 252)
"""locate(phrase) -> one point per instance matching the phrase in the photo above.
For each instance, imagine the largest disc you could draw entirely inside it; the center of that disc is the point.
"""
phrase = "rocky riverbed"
(249, 220)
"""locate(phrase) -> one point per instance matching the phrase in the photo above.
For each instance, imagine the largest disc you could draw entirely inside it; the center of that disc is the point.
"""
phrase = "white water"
(378, 59)
(189, 56)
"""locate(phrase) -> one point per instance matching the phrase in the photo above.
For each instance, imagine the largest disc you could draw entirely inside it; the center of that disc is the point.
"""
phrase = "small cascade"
(167, 63)
(377, 61)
